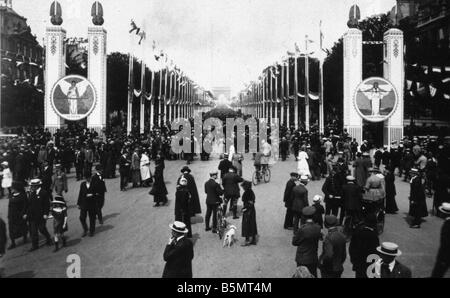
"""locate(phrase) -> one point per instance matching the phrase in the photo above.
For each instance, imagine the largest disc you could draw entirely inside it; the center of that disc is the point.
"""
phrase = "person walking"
(146, 175)
(178, 253)
(333, 250)
(417, 200)
(443, 257)
(136, 168)
(387, 266)
(249, 228)
(159, 190)
(17, 225)
(88, 206)
(287, 199)
(59, 213)
(36, 212)
(332, 188)
(224, 166)
(299, 198)
(124, 170)
(389, 178)
(59, 181)
(79, 163)
(183, 205)
(99, 188)
(213, 192)
(306, 238)
(352, 203)
(364, 242)
(192, 186)
(361, 169)
(231, 191)
(7, 177)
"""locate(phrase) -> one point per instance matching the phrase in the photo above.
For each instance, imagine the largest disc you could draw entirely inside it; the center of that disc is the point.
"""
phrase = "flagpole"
(165, 96)
(288, 103)
(171, 98)
(296, 92)
(282, 93)
(152, 100)
(321, 91)
(142, 108)
(306, 85)
(130, 93)
(263, 97)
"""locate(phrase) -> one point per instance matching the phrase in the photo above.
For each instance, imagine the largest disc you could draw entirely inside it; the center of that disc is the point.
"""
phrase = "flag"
(447, 96)
(446, 80)
(437, 69)
(134, 27)
(408, 84)
(432, 91)
(290, 54)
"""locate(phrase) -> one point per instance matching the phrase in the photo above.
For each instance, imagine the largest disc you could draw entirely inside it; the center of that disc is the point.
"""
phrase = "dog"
(229, 238)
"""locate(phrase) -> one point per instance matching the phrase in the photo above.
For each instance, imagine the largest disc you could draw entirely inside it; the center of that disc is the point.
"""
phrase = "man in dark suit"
(332, 188)
(178, 253)
(79, 163)
(224, 166)
(46, 177)
(364, 243)
(99, 187)
(87, 205)
(443, 256)
(352, 197)
(334, 251)
(307, 241)
(299, 198)
(388, 266)
(36, 213)
(213, 199)
(231, 190)
(287, 199)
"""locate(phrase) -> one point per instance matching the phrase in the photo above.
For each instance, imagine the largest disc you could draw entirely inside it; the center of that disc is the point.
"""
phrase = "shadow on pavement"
(112, 215)
(103, 228)
(73, 242)
(197, 219)
(194, 238)
(25, 274)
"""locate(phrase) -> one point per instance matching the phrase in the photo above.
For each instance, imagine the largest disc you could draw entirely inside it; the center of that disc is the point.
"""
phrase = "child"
(59, 213)
(318, 215)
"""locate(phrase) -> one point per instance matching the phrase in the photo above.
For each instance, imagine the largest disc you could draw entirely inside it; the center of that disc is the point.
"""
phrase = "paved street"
(134, 234)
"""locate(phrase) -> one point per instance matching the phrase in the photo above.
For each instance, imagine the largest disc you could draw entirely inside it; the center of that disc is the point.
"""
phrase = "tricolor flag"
(446, 80)
(432, 91)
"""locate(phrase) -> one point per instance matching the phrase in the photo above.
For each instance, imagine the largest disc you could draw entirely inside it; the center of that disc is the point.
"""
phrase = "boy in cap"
(59, 213)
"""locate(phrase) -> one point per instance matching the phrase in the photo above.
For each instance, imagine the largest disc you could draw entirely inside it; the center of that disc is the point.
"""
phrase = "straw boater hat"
(414, 171)
(304, 178)
(317, 198)
(350, 178)
(389, 249)
(35, 182)
(179, 227)
(5, 163)
(445, 208)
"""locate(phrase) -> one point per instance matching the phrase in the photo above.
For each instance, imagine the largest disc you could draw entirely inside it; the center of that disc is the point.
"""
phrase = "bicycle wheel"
(255, 178)
(267, 175)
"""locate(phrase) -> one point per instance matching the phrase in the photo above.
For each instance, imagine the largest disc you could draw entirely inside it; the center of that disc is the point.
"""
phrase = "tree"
(117, 83)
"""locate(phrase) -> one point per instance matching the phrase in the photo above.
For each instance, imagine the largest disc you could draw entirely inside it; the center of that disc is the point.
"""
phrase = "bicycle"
(221, 221)
(263, 174)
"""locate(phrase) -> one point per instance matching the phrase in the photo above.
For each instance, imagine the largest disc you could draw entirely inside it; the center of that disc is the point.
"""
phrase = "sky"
(215, 42)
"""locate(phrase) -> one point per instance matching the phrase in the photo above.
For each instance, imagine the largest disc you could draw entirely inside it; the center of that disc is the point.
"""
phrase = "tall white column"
(394, 72)
(352, 78)
(55, 69)
(97, 75)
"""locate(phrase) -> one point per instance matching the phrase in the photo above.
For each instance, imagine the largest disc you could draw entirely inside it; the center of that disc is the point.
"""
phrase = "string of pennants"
(429, 80)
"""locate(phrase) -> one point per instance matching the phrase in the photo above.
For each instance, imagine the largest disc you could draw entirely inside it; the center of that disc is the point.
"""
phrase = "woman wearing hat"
(159, 190)
(183, 205)
(192, 186)
(249, 229)
(7, 177)
(16, 224)
(375, 191)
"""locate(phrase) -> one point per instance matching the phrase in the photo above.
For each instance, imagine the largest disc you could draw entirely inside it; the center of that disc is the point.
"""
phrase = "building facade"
(21, 70)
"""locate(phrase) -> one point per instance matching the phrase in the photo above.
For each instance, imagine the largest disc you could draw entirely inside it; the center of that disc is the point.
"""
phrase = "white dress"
(145, 167)
(7, 178)
(302, 165)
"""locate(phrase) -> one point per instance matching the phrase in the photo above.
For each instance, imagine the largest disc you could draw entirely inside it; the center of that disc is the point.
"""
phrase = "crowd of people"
(358, 183)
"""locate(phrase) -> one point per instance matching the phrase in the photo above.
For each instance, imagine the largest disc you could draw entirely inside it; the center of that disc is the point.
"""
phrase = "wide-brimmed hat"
(331, 221)
(414, 171)
(185, 169)
(389, 249)
(179, 227)
(294, 174)
(215, 173)
(35, 182)
(445, 208)
(308, 211)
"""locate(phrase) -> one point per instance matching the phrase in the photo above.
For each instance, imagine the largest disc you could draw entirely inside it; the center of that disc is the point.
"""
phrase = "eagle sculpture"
(97, 14)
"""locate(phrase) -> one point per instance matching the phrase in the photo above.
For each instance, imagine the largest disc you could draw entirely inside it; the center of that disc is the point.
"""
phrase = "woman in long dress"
(302, 165)
(249, 228)
(16, 206)
(159, 190)
(146, 175)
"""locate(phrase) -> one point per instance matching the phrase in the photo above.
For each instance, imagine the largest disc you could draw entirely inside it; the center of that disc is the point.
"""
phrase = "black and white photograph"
(225, 139)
